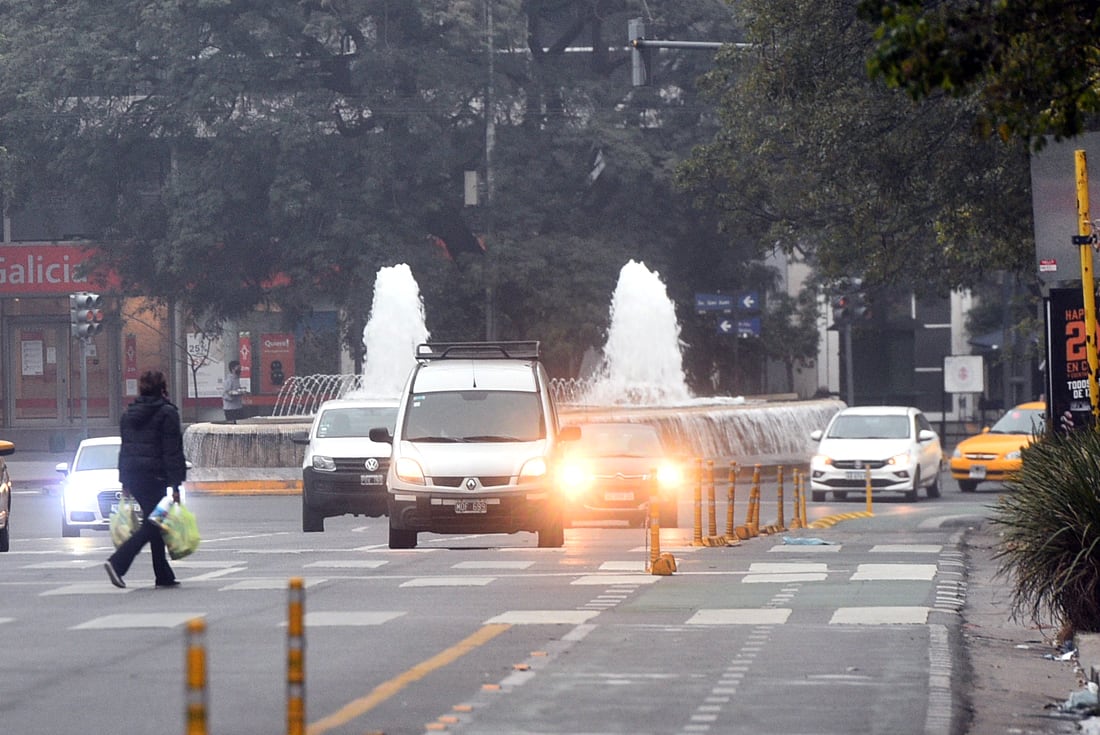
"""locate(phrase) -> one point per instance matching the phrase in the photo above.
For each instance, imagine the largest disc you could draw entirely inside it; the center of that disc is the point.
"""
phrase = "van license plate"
(471, 506)
(611, 496)
(370, 479)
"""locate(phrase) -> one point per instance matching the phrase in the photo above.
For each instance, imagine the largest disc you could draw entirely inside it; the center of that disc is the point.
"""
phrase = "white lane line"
(612, 579)
(265, 584)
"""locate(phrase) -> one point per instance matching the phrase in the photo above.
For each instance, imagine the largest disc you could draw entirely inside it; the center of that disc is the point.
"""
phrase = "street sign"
(705, 302)
(963, 374)
(749, 327)
(748, 301)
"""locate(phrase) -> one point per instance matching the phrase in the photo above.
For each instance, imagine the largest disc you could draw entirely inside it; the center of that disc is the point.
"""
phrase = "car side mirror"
(300, 437)
(816, 434)
(380, 435)
(925, 435)
(569, 433)
(62, 467)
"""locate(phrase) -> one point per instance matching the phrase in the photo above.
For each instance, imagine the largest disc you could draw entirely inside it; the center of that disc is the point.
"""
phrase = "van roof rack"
(521, 350)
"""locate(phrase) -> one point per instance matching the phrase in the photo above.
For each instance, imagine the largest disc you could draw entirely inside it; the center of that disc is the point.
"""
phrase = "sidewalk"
(1016, 680)
(36, 470)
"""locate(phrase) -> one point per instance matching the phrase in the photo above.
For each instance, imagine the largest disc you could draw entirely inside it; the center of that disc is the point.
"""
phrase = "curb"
(244, 487)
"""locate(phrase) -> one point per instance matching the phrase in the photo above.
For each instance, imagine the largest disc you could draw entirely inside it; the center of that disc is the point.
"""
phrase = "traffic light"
(85, 314)
(842, 308)
(639, 52)
(859, 309)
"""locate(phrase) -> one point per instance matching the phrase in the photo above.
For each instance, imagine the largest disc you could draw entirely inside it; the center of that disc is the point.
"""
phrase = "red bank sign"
(43, 269)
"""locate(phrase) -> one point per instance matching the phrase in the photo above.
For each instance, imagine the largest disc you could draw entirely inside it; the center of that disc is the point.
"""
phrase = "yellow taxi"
(994, 454)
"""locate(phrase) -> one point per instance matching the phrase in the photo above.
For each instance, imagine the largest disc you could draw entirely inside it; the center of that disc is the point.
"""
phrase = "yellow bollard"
(697, 529)
(802, 503)
(867, 474)
(194, 697)
(296, 659)
(754, 503)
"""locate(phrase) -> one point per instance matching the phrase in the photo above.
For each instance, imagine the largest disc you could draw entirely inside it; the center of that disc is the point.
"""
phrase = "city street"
(852, 630)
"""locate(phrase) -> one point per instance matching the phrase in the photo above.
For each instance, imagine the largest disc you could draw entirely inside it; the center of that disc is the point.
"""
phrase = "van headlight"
(533, 469)
(573, 478)
(409, 470)
(324, 464)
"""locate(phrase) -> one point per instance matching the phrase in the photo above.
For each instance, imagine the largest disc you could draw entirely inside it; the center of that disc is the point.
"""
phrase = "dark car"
(613, 469)
(6, 448)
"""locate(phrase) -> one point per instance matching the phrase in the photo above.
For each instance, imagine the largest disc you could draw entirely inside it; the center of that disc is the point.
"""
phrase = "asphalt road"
(489, 634)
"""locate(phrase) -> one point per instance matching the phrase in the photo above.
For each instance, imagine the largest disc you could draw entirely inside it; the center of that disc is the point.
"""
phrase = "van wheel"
(312, 521)
(69, 531)
(402, 539)
(552, 535)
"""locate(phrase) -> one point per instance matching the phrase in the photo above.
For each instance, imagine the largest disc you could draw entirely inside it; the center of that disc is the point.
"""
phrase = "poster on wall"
(32, 354)
(276, 361)
(206, 366)
(1067, 357)
(130, 366)
(244, 355)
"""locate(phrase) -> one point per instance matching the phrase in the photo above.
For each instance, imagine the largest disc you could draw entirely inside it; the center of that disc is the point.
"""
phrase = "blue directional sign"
(705, 302)
(746, 327)
(748, 301)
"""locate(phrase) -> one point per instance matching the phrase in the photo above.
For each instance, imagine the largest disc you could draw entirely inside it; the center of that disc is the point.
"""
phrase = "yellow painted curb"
(245, 487)
(830, 521)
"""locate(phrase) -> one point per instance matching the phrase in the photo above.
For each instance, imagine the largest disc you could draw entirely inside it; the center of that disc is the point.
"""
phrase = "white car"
(895, 443)
(90, 490)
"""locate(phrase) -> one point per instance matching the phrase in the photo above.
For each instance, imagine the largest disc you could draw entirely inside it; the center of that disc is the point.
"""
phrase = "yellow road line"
(385, 690)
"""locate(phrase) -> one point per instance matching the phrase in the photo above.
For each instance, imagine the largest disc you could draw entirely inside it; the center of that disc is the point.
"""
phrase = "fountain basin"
(259, 455)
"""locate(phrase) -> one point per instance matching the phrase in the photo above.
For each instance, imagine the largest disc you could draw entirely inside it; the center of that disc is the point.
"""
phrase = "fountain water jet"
(394, 329)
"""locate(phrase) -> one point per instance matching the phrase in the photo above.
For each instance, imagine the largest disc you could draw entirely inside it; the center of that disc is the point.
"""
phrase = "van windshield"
(354, 421)
(474, 416)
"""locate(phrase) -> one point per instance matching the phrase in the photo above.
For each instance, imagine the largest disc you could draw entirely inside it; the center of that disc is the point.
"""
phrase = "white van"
(475, 441)
(343, 471)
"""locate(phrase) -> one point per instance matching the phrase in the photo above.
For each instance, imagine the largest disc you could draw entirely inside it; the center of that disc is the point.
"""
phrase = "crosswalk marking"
(86, 588)
(740, 616)
(907, 548)
(610, 579)
(348, 564)
(67, 564)
(885, 615)
(139, 620)
(894, 572)
(336, 618)
(543, 617)
(448, 582)
(623, 566)
(266, 584)
(493, 564)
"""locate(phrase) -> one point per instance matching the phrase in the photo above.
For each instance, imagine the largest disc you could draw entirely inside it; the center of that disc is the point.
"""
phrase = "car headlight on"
(573, 478)
(324, 464)
(409, 470)
(821, 460)
(533, 469)
(899, 460)
(669, 476)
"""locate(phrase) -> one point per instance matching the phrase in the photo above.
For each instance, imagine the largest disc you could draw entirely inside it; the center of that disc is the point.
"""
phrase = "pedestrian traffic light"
(85, 314)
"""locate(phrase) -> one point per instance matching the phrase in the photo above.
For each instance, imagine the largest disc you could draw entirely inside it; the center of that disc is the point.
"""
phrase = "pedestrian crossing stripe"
(543, 617)
(348, 564)
(139, 620)
(349, 618)
(880, 616)
(448, 582)
(894, 572)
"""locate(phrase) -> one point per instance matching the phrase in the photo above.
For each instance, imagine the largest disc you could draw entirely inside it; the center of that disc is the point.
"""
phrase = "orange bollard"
(697, 530)
(731, 493)
(194, 697)
(802, 503)
(780, 520)
(712, 521)
(296, 659)
(867, 473)
(796, 519)
(754, 503)
(659, 564)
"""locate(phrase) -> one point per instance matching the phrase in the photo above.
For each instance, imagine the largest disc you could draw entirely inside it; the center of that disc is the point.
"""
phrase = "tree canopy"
(819, 160)
(1032, 65)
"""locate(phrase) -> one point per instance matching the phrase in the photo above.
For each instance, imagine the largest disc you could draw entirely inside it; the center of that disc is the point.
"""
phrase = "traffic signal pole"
(1086, 239)
(84, 387)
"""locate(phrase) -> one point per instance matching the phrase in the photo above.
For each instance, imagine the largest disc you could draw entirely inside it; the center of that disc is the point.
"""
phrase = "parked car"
(343, 471)
(612, 471)
(994, 454)
(6, 448)
(474, 446)
(896, 443)
(90, 490)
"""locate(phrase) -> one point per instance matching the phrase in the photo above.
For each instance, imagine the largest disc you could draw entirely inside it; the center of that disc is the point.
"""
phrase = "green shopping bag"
(124, 520)
(180, 531)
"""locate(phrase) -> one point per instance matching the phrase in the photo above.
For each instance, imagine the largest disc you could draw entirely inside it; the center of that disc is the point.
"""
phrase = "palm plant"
(1050, 523)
